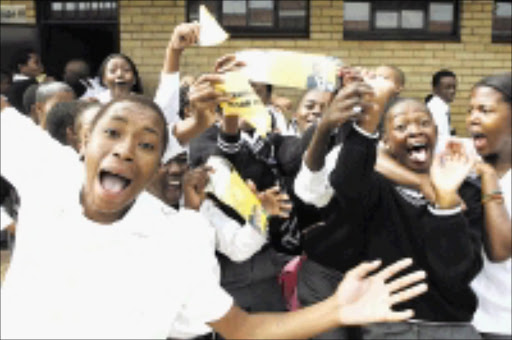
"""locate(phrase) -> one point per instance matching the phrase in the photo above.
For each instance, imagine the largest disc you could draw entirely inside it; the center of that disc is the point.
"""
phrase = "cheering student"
(89, 265)
(377, 217)
(489, 123)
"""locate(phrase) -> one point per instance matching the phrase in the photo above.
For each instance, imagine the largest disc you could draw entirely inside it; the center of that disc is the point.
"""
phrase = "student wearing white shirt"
(105, 272)
(490, 125)
(444, 85)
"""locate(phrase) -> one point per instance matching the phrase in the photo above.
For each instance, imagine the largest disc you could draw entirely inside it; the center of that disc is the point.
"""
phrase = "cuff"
(229, 143)
(366, 133)
(445, 212)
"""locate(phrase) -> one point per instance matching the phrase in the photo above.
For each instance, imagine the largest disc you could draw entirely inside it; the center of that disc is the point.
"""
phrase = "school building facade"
(469, 37)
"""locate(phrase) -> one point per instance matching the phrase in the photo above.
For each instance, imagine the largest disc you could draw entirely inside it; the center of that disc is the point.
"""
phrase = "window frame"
(499, 38)
(44, 10)
(406, 34)
(273, 32)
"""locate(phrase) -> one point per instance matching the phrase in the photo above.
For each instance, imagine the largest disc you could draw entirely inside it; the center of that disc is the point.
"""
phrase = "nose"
(473, 118)
(124, 150)
(413, 129)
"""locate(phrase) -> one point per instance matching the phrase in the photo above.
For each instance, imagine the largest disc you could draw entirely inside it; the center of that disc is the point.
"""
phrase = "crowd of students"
(116, 237)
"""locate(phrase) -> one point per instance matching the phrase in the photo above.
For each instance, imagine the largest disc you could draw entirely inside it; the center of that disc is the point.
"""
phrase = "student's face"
(43, 108)
(489, 122)
(311, 108)
(411, 135)
(446, 89)
(119, 75)
(122, 154)
(33, 68)
(389, 74)
(168, 183)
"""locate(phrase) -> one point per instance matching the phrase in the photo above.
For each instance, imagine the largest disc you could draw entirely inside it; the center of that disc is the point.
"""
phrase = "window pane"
(412, 19)
(261, 13)
(441, 17)
(193, 7)
(502, 21)
(356, 16)
(292, 14)
(234, 13)
(386, 19)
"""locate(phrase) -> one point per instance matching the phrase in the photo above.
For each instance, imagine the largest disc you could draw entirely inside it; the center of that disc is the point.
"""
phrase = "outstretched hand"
(365, 298)
(447, 173)
(204, 97)
(273, 201)
(228, 63)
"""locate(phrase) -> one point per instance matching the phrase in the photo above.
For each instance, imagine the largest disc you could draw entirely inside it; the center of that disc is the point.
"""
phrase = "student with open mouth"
(489, 122)
(376, 216)
(101, 260)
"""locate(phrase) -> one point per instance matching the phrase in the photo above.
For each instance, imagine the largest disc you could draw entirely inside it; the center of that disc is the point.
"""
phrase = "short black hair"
(21, 57)
(436, 79)
(137, 99)
(502, 83)
(60, 118)
(137, 87)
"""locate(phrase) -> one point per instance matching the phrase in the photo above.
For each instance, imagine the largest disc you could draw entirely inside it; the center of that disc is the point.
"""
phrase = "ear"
(39, 113)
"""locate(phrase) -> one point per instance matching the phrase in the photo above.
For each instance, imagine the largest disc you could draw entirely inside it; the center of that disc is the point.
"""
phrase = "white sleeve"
(237, 242)
(440, 115)
(314, 187)
(167, 96)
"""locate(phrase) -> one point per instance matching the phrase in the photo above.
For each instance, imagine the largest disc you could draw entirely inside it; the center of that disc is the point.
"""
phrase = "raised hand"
(204, 98)
(228, 63)
(273, 201)
(194, 184)
(341, 109)
(365, 298)
(184, 35)
(447, 173)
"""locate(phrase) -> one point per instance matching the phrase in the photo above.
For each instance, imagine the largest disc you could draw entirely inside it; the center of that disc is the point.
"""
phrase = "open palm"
(367, 299)
(449, 170)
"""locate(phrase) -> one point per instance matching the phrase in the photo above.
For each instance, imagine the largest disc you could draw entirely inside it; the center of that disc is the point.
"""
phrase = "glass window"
(401, 20)
(254, 18)
(502, 22)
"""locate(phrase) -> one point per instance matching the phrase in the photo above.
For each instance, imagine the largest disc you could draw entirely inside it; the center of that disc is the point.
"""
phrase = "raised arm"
(497, 218)
(360, 299)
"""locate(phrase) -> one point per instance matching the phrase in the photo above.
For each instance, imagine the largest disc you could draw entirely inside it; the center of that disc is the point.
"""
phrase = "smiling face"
(118, 75)
(411, 134)
(446, 88)
(122, 154)
(489, 122)
(311, 108)
(167, 185)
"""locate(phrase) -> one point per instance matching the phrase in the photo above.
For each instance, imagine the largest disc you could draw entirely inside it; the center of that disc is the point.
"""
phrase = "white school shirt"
(493, 286)
(149, 275)
(440, 111)
(238, 243)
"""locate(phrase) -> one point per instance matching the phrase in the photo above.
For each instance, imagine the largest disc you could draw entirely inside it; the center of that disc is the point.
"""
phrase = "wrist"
(447, 199)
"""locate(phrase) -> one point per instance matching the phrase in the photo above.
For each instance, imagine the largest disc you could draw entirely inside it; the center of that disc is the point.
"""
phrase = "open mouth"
(112, 182)
(418, 152)
(479, 140)
(120, 82)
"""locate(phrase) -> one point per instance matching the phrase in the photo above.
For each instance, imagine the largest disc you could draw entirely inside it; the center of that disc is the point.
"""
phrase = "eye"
(147, 146)
(426, 123)
(400, 127)
(112, 133)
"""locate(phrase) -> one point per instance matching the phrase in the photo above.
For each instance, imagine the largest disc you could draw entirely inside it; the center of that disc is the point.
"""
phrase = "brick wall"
(146, 26)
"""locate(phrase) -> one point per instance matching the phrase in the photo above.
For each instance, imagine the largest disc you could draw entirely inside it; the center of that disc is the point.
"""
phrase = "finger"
(394, 268)
(409, 293)
(222, 61)
(400, 316)
(211, 78)
(364, 269)
(406, 281)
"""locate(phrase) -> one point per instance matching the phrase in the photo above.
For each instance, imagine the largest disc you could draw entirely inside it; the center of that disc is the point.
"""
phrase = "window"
(257, 18)
(79, 11)
(401, 20)
(502, 21)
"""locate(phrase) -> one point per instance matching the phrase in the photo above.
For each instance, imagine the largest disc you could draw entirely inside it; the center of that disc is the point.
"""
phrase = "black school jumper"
(376, 218)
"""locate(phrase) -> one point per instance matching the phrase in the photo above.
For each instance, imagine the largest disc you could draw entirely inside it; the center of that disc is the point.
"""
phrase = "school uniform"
(72, 277)
(377, 218)
(493, 286)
